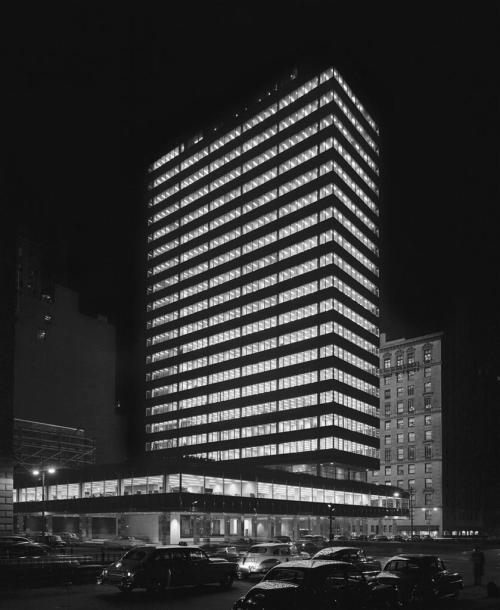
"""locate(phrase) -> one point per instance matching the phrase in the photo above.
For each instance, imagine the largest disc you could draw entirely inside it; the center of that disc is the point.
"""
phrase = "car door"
(158, 567)
(332, 587)
(199, 567)
(179, 567)
(356, 588)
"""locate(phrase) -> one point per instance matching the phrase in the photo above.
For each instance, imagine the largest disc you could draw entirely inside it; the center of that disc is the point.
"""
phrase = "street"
(84, 597)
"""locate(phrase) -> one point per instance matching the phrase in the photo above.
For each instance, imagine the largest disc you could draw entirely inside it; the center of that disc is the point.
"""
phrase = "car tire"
(156, 587)
(226, 582)
(126, 588)
(419, 596)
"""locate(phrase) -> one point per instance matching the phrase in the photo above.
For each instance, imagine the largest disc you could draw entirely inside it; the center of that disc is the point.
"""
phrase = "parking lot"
(83, 597)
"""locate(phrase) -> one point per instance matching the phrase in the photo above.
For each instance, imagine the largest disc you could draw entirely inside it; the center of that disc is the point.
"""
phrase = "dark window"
(135, 555)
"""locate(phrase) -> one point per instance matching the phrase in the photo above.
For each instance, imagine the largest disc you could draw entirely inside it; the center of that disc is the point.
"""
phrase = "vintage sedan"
(162, 567)
(420, 578)
(122, 543)
(260, 558)
(322, 585)
(350, 554)
(222, 551)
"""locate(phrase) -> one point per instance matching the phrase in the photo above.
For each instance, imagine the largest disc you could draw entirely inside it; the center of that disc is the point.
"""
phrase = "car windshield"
(135, 555)
(257, 550)
(295, 575)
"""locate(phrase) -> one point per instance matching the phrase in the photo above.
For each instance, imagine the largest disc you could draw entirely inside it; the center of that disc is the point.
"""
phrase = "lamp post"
(396, 496)
(41, 472)
(193, 518)
(331, 510)
(428, 517)
(411, 490)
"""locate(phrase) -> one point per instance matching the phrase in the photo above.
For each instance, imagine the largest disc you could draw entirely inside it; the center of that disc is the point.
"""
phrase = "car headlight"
(104, 572)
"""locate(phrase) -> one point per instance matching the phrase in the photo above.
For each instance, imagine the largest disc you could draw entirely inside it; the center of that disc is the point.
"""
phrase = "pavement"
(92, 596)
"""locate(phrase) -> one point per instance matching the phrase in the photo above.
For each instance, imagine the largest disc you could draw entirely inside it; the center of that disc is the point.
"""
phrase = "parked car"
(160, 567)
(222, 551)
(363, 538)
(122, 542)
(352, 555)
(70, 537)
(398, 538)
(283, 539)
(8, 540)
(20, 550)
(380, 538)
(308, 546)
(341, 538)
(260, 558)
(420, 578)
(52, 540)
(322, 585)
(321, 540)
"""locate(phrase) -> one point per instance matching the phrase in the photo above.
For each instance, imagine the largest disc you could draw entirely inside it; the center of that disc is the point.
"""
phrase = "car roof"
(312, 564)
(339, 548)
(413, 556)
(167, 546)
(265, 544)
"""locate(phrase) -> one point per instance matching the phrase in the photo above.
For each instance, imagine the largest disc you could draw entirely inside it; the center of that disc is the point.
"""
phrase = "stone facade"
(411, 430)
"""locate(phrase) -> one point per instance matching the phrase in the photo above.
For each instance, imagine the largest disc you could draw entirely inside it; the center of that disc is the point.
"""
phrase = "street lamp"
(41, 472)
(193, 518)
(411, 491)
(394, 517)
(331, 510)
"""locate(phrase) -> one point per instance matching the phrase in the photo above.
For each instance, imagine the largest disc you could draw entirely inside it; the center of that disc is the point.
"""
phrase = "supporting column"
(175, 528)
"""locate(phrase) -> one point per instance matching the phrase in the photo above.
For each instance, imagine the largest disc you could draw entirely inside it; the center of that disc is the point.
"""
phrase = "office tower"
(262, 285)
(411, 429)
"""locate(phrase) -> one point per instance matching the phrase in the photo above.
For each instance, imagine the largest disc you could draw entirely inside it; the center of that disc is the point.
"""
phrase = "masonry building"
(411, 429)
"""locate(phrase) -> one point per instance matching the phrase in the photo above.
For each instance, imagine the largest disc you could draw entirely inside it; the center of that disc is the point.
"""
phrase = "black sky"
(97, 90)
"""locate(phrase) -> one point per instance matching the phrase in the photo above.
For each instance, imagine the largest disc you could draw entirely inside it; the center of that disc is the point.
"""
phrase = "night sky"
(96, 91)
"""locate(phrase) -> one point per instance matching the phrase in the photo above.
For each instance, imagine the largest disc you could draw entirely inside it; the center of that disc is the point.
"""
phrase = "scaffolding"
(38, 443)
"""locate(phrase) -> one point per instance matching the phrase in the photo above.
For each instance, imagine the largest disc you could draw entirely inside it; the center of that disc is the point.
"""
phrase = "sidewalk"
(472, 597)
